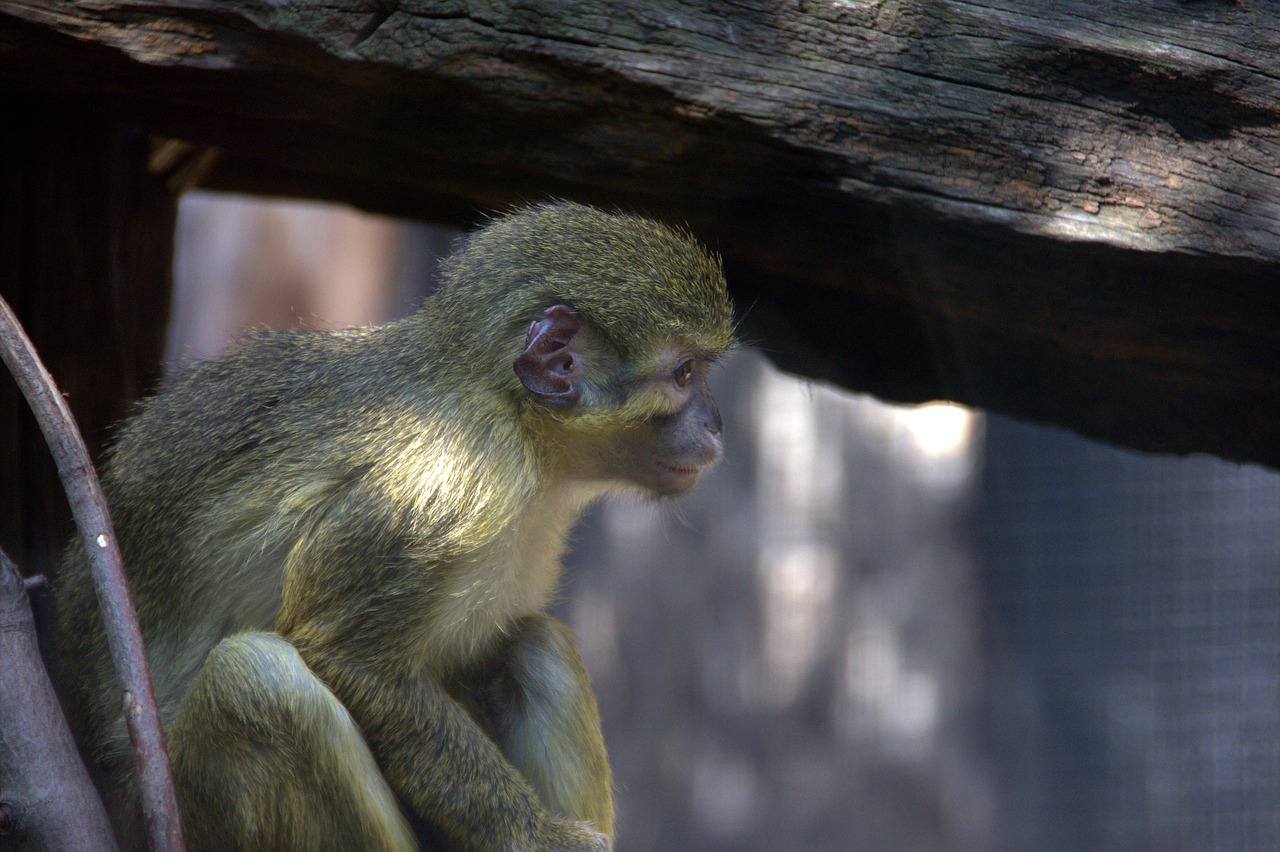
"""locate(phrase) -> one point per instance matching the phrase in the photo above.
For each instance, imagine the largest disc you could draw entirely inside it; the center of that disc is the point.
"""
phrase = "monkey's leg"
(265, 757)
(544, 718)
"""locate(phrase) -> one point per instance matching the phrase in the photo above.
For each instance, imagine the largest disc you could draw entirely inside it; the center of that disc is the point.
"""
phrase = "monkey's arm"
(353, 609)
(438, 759)
(536, 698)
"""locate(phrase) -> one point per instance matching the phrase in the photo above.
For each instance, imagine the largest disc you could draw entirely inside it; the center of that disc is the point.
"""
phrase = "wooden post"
(85, 256)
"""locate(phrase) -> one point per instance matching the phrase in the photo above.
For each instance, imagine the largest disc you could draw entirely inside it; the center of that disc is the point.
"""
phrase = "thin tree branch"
(124, 638)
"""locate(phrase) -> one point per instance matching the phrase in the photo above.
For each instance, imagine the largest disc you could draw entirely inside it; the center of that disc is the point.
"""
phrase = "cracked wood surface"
(1063, 211)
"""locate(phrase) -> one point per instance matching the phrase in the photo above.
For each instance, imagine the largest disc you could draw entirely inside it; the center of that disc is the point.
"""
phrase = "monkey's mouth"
(677, 479)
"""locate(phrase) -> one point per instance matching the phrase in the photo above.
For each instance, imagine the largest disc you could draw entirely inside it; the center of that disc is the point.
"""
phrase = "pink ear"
(550, 365)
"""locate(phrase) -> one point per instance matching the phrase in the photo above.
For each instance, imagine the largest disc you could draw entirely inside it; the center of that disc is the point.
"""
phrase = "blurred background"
(873, 627)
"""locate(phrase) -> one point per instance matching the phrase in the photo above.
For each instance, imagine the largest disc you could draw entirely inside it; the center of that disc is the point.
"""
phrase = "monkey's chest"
(509, 574)
(479, 598)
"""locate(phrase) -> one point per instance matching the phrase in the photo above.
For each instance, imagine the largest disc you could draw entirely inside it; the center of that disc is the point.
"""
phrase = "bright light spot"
(940, 429)
(938, 442)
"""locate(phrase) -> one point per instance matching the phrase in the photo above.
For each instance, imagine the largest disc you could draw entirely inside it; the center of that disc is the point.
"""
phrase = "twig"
(124, 638)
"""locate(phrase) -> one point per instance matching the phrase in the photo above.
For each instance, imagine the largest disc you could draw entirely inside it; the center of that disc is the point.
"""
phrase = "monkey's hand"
(563, 836)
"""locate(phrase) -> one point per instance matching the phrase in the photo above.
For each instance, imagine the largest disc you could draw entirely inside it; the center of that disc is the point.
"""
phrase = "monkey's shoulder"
(277, 386)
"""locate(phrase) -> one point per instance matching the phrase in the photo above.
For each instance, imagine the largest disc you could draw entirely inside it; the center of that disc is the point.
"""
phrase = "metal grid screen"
(1134, 641)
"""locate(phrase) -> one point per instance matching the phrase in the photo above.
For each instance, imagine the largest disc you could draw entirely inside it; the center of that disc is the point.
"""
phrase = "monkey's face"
(669, 453)
(657, 431)
(663, 451)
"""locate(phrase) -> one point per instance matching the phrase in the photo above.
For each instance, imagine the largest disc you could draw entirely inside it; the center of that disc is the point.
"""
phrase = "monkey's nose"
(711, 418)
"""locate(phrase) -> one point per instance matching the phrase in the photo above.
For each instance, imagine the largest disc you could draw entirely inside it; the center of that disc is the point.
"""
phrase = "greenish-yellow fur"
(337, 536)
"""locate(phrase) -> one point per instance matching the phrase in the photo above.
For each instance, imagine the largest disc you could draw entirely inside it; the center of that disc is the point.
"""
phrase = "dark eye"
(682, 373)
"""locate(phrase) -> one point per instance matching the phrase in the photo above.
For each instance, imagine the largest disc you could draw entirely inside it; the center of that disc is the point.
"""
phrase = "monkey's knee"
(547, 724)
(265, 756)
(253, 683)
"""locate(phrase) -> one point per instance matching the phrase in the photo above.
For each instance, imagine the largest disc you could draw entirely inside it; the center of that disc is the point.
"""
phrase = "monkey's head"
(601, 327)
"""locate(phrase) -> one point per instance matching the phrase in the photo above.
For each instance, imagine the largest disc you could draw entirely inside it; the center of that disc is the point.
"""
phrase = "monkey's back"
(208, 487)
(234, 471)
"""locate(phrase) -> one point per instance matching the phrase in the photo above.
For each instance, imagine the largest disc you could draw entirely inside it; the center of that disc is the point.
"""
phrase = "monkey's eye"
(682, 373)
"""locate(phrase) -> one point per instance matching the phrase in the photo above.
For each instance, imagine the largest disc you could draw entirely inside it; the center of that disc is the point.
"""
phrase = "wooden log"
(1062, 211)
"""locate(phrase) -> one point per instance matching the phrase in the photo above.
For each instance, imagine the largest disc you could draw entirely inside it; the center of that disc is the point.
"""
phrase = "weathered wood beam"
(1067, 211)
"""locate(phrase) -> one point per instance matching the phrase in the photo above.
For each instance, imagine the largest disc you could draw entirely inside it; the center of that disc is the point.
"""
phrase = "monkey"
(342, 545)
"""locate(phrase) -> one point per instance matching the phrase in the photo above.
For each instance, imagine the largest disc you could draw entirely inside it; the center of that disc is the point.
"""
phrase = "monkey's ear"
(551, 365)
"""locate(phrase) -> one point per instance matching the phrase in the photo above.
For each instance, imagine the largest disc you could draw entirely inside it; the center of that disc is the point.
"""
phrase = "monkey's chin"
(672, 480)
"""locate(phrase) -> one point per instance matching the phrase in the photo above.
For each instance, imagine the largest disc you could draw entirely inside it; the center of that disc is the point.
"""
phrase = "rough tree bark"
(1064, 211)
